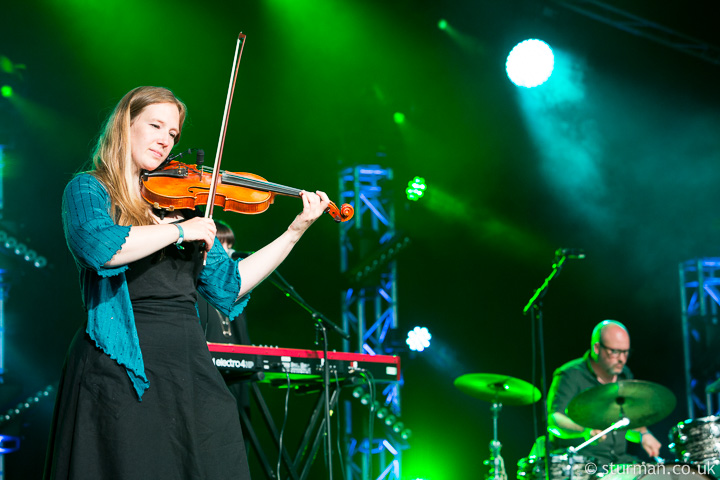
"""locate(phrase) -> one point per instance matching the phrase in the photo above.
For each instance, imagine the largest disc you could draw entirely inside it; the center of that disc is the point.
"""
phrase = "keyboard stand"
(299, 467)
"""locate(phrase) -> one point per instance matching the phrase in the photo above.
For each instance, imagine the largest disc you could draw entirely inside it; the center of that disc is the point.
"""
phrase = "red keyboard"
(277, 363)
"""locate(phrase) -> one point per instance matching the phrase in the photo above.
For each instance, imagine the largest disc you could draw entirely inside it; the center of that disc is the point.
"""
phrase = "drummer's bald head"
(603, 326)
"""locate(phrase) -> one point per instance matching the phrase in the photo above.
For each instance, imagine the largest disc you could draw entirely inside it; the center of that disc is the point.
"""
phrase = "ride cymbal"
(503, 389)
(643, 403)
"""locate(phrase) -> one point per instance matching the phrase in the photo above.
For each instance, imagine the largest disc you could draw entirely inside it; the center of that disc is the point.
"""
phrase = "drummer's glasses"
(613, 352)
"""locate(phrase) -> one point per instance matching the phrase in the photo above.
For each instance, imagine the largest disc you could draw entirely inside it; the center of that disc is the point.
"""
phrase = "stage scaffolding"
(700, 316)
(368, 246)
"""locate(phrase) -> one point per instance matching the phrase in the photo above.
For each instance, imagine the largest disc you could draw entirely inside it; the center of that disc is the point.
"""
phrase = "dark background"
(617, 155)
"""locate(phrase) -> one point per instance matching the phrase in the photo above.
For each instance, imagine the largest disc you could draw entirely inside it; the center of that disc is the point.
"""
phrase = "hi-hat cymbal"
(643, 403)
(498, 388)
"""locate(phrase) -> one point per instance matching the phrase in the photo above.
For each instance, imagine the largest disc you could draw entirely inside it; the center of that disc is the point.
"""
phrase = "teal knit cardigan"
(93, 239)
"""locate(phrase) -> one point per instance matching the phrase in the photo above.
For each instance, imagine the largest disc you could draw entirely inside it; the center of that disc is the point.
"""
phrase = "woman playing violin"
(139, 395)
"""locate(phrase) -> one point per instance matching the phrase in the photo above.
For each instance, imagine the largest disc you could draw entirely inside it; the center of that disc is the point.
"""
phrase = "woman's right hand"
(199, 229)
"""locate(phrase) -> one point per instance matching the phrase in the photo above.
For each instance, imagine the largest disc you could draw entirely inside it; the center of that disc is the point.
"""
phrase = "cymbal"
(643, 403)
(498, 388)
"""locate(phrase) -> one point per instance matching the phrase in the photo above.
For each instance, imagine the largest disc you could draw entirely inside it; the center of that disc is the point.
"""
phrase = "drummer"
(604, 363)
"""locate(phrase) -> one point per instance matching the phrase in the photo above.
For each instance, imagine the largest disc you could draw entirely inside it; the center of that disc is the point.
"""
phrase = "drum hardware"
(496, 461)
(710, 391)
(561, 466)
(497, 389)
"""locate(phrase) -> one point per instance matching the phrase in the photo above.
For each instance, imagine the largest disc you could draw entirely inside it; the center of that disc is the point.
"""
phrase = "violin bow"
(223, 127)
(342, 214)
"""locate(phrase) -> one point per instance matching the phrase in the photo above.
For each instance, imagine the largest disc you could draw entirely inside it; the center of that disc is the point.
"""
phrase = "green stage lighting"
(6, 91)
(399, 118)
(416, 188)
(442, 24)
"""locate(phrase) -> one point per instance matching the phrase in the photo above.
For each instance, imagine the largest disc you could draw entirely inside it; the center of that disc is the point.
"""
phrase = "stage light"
(10, 243)
(399, 118)
(358, 391)
(418, 339)
(6, 91)
(442, 24)
(382, 412)
(22, 407)
(398, 427)
(390, 420)
(365, 399)
(416, 189)
(405, 433)
(530, 63)
(20, 249)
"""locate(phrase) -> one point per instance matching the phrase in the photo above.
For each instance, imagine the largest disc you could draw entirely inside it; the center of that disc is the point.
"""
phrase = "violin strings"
(254, 183)
(260, 185)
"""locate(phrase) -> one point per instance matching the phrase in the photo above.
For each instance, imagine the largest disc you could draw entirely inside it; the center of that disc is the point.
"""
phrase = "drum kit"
(625, 404)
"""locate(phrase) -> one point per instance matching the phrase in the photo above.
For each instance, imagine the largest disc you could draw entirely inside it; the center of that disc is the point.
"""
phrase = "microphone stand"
(321, 322)
(285, 287)
(535, 307)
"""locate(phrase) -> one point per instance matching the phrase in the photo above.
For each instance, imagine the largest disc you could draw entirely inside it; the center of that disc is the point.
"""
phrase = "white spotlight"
(530, 63)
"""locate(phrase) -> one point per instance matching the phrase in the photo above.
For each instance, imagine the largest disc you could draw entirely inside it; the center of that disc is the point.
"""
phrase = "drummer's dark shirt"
(569, 380)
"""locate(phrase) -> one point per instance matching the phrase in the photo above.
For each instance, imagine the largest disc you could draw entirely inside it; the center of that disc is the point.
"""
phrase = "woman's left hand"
(314, 205)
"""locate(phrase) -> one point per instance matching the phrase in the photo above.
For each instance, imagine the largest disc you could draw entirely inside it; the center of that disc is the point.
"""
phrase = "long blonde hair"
(112, 160)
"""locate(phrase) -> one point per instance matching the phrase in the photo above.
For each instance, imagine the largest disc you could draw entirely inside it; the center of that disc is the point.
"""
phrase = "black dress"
(187, 424)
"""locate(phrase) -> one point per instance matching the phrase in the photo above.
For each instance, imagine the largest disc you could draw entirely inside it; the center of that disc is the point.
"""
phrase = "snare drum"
(533, 468)
(697, 441)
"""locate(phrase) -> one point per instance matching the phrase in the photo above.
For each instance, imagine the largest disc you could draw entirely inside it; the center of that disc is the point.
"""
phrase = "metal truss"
(368, 246)
(700, 298)
(641, 27)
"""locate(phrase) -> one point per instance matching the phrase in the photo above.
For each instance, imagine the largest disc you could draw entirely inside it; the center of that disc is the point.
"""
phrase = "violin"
(177, 185)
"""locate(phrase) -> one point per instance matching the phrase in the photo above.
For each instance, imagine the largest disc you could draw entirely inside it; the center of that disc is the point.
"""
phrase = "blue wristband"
(181, 236)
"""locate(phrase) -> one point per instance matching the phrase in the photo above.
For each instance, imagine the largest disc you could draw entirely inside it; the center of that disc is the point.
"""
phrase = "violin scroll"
(342, 214)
